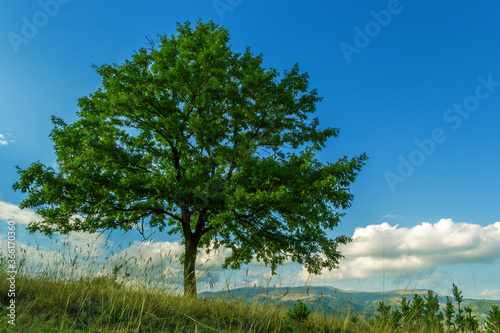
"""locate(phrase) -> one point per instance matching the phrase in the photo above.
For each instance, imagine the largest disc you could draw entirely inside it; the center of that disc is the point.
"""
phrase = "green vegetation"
(191, 137)
(104, 305)
(300, 313)
(492, 323)
(425, 313)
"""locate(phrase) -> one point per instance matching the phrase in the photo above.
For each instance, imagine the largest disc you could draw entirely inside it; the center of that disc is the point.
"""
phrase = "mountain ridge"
(330, 300)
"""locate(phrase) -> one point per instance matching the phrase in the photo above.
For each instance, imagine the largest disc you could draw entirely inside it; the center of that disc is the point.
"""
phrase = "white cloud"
(159, 253)
(376, 249)
(59, 257)
(390, 216)
(3, 142)
(151, 253)
(489, 293)
(161, 262)
(394, 251)
(77, 241)
(444, 242)
(84, 240)
(12, 212)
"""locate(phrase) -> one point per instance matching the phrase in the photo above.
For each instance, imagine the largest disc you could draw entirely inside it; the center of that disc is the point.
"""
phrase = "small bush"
(299, 313)
(492, 323)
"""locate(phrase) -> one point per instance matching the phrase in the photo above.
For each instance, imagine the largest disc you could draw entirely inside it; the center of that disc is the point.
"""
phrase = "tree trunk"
(191, 247)
(191, 241)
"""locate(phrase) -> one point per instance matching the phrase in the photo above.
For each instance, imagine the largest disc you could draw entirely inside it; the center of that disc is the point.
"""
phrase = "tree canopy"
(201, 141)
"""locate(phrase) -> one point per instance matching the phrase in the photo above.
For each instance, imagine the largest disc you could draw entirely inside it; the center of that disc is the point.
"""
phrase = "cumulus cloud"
(395, 251)
(444, 242)
(3, 142)
(60, 258)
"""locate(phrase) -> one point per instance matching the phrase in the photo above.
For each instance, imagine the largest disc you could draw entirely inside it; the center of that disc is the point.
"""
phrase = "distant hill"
(329, 300)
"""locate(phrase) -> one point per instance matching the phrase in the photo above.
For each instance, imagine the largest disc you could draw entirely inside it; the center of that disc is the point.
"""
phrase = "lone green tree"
(192, 137)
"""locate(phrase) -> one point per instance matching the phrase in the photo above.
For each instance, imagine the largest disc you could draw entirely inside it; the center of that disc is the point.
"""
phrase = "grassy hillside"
(50, 300)
(44, 304)
(102, 305)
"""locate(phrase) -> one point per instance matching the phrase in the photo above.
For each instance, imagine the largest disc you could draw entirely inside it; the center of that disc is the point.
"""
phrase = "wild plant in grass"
(425, 314)
(449, 313)
(422, 312)
(298, 316)
(384, 312)
(418, 309)
(406, 311)
(432, 316)
(471, 323)
(459, 319)
(492, 323)
(300, 313)
(387, 319)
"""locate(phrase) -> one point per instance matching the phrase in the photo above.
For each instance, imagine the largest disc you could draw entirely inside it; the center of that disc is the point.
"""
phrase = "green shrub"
(299, 313)
(492, 323)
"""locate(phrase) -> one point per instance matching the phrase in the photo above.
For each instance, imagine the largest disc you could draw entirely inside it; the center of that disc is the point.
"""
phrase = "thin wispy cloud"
(10, 211)
(489, 293)
(163, 257)
(77, 240)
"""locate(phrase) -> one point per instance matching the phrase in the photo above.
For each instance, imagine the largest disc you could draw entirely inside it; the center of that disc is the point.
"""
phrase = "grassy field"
(46, 301)
(101, 305)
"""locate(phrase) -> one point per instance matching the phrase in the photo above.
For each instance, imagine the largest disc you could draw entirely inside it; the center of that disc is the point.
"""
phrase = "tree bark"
(191, 249)
(191, 240)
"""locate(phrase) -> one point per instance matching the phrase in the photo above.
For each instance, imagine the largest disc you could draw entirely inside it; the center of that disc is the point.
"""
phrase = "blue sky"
(414, 84)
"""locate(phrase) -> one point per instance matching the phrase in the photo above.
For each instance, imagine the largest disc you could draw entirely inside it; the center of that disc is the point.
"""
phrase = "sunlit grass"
(55, 294)
(102, 305)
